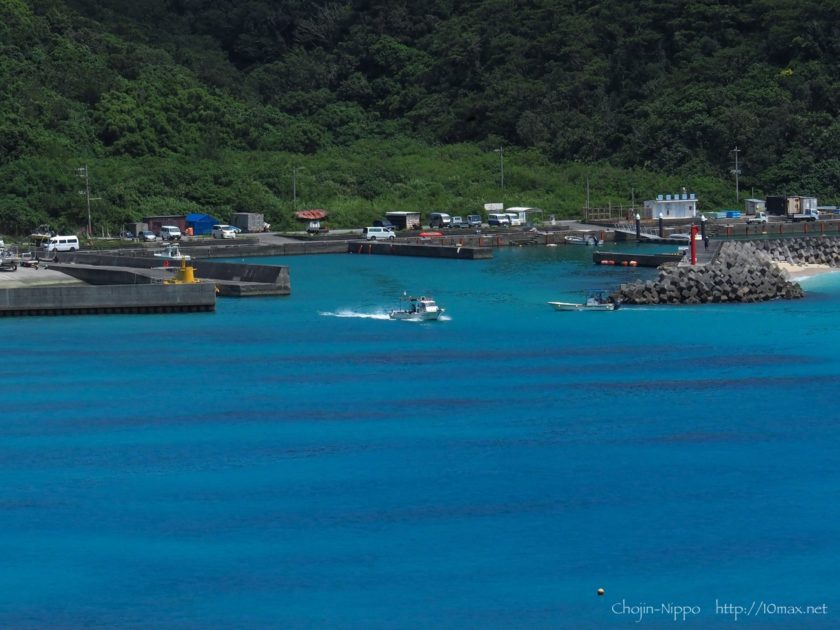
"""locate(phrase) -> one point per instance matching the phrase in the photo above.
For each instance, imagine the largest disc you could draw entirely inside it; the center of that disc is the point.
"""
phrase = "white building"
(676, 206)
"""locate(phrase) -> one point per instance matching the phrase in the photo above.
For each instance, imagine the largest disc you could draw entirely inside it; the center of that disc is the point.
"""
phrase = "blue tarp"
(201, 223)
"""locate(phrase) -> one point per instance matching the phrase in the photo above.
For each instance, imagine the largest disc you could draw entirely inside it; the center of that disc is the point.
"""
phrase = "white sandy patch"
(800, 272)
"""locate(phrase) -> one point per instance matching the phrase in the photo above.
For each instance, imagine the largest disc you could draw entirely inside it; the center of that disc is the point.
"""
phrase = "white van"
(63, 244)
(373, 233)
(170, 233)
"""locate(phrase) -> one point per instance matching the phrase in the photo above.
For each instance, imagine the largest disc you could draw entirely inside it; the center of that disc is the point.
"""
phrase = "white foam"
(354, 314)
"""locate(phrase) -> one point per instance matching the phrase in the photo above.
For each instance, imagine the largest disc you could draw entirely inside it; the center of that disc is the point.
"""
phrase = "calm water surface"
(305, 462)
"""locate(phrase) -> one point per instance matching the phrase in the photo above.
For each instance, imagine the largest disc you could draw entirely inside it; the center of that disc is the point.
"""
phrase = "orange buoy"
(633, 263)
(623, 263)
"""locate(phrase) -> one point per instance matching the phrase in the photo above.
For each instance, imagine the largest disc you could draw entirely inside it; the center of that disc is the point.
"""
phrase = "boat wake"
(354, 314)
(359, 315)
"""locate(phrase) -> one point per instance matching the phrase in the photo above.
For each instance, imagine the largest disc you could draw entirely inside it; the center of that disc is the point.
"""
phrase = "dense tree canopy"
(202, 103)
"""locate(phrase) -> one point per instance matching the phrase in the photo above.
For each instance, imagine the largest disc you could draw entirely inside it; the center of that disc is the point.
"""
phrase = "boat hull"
(581, 240)
(572, 306)
(427, 316)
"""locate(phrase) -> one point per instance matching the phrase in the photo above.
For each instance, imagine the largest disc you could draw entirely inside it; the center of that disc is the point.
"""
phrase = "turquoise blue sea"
(305, 462)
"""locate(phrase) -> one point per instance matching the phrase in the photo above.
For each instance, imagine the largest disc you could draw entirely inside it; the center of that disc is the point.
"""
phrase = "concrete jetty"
(230, 279)
(81, 300)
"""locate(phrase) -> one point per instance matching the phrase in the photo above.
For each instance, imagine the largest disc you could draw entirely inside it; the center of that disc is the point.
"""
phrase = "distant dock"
(429, 250)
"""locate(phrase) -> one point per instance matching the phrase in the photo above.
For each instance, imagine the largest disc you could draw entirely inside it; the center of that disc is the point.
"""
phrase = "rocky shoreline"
(743, 271)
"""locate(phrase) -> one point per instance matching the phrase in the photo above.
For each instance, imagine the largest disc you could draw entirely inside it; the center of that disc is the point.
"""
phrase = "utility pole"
(737, 172)
(294, 184)
(83, 172)
(501, 152)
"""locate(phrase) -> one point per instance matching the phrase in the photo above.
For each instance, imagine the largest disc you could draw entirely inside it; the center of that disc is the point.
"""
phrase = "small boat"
(685, 237)
(417, 308)
(586, 239)
(171, 251)
(595, 301)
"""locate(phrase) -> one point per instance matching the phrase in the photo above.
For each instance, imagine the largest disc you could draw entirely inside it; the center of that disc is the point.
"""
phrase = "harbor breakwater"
(742, 271)
(817, 250)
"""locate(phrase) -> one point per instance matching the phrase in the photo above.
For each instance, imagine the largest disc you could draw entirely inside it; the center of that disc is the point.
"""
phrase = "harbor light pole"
(294, 184)
(501, 152)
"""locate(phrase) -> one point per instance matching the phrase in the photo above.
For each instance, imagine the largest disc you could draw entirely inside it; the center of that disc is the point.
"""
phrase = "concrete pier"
(81, 300)
(230, 279)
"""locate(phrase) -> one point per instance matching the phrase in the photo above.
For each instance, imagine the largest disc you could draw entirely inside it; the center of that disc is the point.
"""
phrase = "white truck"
(758, 217)
(805, 215)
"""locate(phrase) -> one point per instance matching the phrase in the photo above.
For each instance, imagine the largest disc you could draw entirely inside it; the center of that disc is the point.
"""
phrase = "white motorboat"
(585, 239)
(417, 308)
(596, 301)
(171, 251)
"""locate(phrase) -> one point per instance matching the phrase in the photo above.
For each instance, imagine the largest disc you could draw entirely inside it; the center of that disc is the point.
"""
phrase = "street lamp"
(737, 172)
(294, 184)
(501, 152)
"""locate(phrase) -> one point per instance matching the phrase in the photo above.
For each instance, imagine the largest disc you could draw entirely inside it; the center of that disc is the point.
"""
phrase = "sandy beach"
(801, 272)
(35, 277)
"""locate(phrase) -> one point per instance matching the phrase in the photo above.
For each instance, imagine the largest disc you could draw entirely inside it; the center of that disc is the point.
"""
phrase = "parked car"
(223, 231)
(759, 217)
(170, 233)
(459, 222)
(384, 223)
(439, 220)
(375, 232)
(474, 220)
(147, 235)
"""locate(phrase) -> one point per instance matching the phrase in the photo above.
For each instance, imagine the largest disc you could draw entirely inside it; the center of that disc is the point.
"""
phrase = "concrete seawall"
(464, 252)
(78, 300)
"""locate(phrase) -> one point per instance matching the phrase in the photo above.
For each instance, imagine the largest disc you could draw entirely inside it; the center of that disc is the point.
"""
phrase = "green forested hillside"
(182, 105)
